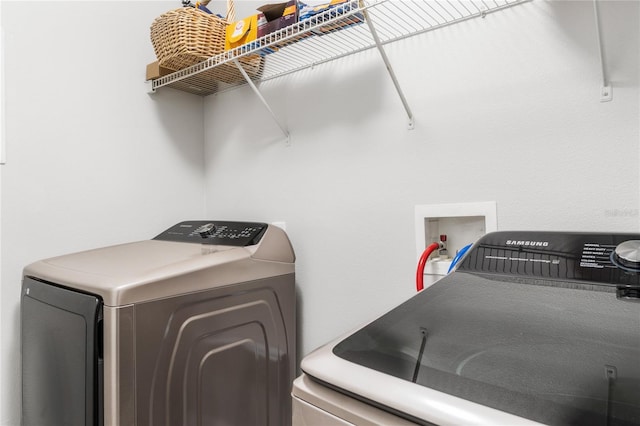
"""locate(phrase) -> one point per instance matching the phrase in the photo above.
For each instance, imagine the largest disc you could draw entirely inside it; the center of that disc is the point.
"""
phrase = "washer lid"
(472, 348)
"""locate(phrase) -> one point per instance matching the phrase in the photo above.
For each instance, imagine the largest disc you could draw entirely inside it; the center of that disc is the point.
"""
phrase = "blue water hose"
(458, 256)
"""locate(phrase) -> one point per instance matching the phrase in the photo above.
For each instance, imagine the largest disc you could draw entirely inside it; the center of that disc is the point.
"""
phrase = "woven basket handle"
(231, 9)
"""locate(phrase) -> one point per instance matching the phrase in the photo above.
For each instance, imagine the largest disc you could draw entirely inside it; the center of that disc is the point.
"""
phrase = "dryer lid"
(170, 264)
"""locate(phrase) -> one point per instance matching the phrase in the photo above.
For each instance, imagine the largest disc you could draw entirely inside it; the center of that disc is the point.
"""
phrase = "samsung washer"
(532, 328)
(196, 326)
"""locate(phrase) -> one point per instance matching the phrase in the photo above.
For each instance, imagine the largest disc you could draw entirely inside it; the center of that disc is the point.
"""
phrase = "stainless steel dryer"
(193, 327)
(533, 327)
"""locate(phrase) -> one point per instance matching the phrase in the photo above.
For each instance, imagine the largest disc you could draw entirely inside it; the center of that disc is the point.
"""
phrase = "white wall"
(92, 158)
(507, 109)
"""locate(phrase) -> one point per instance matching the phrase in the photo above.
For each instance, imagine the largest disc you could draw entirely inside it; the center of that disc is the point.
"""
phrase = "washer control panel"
(213, 232)
(627, 255)
(612, 259)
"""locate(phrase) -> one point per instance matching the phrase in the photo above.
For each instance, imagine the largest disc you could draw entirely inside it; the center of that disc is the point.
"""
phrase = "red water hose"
(421, 264)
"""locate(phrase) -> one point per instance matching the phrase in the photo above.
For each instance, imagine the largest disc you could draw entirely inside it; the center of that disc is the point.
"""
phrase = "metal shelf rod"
(387, 64)
(283, 128)
(606, 91)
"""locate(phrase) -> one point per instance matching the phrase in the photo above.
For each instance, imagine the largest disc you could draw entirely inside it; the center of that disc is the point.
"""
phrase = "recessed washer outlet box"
(462, 223)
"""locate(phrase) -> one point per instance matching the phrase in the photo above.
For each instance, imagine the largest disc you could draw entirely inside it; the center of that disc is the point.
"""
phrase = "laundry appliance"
(530, 328)
(193, 327)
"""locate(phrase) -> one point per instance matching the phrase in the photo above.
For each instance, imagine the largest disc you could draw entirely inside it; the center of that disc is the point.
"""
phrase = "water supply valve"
(442, 252)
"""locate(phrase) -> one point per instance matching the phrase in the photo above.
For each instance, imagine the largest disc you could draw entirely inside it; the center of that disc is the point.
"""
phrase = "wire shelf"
(327, 36)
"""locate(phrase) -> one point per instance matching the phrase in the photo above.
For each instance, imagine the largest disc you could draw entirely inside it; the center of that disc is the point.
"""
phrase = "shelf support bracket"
(387, 64)
(263, 100)
(606, 91)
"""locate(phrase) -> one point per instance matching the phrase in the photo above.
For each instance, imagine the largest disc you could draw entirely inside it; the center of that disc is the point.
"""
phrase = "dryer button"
(206, 230)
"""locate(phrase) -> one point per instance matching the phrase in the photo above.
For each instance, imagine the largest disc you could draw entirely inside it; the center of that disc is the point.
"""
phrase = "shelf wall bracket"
(606, 91)
(387, 64)
(150, 89)
(283, 128)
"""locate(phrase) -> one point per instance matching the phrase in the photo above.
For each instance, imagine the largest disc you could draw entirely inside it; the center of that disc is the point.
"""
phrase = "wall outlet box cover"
(462, 223)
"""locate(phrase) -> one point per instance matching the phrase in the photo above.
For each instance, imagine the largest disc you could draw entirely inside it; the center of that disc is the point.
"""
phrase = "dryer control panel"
(213, 232)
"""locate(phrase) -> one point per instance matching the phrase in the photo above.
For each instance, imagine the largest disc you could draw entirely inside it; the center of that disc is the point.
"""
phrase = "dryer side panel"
(223, 356)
